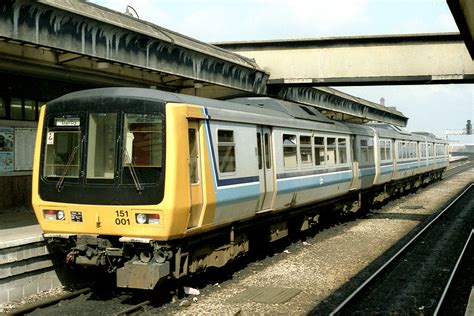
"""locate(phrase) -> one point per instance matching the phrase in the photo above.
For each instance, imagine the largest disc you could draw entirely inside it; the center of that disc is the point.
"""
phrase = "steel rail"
(48, 302)
(448, 284)
(389, 261)
(457, 169)
(133, 308)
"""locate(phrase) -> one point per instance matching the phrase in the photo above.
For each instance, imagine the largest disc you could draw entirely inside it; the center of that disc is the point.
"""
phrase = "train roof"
(258, 110)
(252, 110)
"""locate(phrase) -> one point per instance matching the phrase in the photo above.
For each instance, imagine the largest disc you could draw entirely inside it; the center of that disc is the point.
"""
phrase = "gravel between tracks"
(323, 264)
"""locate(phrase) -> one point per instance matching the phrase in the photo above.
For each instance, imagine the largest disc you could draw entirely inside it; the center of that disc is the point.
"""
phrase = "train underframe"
(143, 263)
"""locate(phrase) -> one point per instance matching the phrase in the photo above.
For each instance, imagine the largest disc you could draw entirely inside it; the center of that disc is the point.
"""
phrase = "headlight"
(60, 215)
(141, 218)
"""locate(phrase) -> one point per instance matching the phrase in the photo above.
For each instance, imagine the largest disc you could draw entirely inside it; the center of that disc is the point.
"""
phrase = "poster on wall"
(6, 149)
(24, 148)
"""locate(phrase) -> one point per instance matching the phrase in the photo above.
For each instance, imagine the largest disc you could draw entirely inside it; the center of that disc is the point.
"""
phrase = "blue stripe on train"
(311, 182)
(231, 195)
(407, 165)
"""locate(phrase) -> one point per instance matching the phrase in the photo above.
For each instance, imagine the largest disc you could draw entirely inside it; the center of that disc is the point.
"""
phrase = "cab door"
(265, 168)
(194, 163)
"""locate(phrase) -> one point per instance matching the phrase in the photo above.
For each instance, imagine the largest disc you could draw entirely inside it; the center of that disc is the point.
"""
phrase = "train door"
(355, 183)
(194, 174)
(265, 168)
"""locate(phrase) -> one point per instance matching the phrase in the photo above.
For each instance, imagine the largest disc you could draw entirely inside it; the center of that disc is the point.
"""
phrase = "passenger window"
(319, 151)
(226, 151)
(193, 155)
(306, 152)
(364, 154)
(342, 149)
(331, 151)
(382, 150)
(405, 150)
(289, 151)
(370, 150)
(388, 150)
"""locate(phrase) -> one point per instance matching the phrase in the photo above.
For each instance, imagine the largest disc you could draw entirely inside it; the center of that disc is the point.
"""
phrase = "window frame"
(295, 146)
(226, 144)
(306, 164)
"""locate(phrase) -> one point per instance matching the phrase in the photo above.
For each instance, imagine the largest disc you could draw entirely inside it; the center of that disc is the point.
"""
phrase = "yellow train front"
(112, 181)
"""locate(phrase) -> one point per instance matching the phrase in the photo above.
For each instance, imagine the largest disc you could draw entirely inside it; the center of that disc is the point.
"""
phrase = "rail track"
(48, 302)
(412, 280)
(459, 283)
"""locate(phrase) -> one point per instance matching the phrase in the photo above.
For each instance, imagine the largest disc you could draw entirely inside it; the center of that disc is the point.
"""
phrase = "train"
(153, 185)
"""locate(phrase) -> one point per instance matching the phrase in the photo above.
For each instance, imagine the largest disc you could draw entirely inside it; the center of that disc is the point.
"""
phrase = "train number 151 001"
(122, 218)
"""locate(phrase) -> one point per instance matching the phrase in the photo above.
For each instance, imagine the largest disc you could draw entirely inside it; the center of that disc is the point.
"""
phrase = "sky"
(433, 108)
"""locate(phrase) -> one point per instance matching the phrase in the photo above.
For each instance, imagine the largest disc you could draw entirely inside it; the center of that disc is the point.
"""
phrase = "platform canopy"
(88, 45)
(80, 41)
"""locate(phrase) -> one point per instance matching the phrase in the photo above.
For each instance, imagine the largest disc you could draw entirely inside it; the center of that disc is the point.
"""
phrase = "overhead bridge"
(362, 60)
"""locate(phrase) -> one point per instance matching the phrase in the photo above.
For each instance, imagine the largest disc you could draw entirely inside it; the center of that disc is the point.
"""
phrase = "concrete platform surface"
(18, 227)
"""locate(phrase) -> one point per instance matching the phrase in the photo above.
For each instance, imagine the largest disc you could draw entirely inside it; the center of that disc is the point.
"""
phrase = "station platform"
(27, 266)
(18, 227)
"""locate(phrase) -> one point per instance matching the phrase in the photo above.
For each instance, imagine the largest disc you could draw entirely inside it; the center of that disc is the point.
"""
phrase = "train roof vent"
(427, 134)
(295, 110)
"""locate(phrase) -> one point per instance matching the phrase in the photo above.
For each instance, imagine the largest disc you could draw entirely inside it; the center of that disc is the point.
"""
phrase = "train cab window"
(226, 151)
(102, 142)
(342, 150)
(142, 137)
(306, 150)
(319, 151)
(331, 153)
(289, 151)
(62, 148)
(193, 155)
(16, 112)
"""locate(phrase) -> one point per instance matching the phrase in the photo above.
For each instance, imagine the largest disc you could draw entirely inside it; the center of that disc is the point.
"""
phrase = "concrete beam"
(463, 13)
(365, 60)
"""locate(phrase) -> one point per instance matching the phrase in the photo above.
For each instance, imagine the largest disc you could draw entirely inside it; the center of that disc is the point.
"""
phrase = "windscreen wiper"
(60, 183)
(133, 172)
